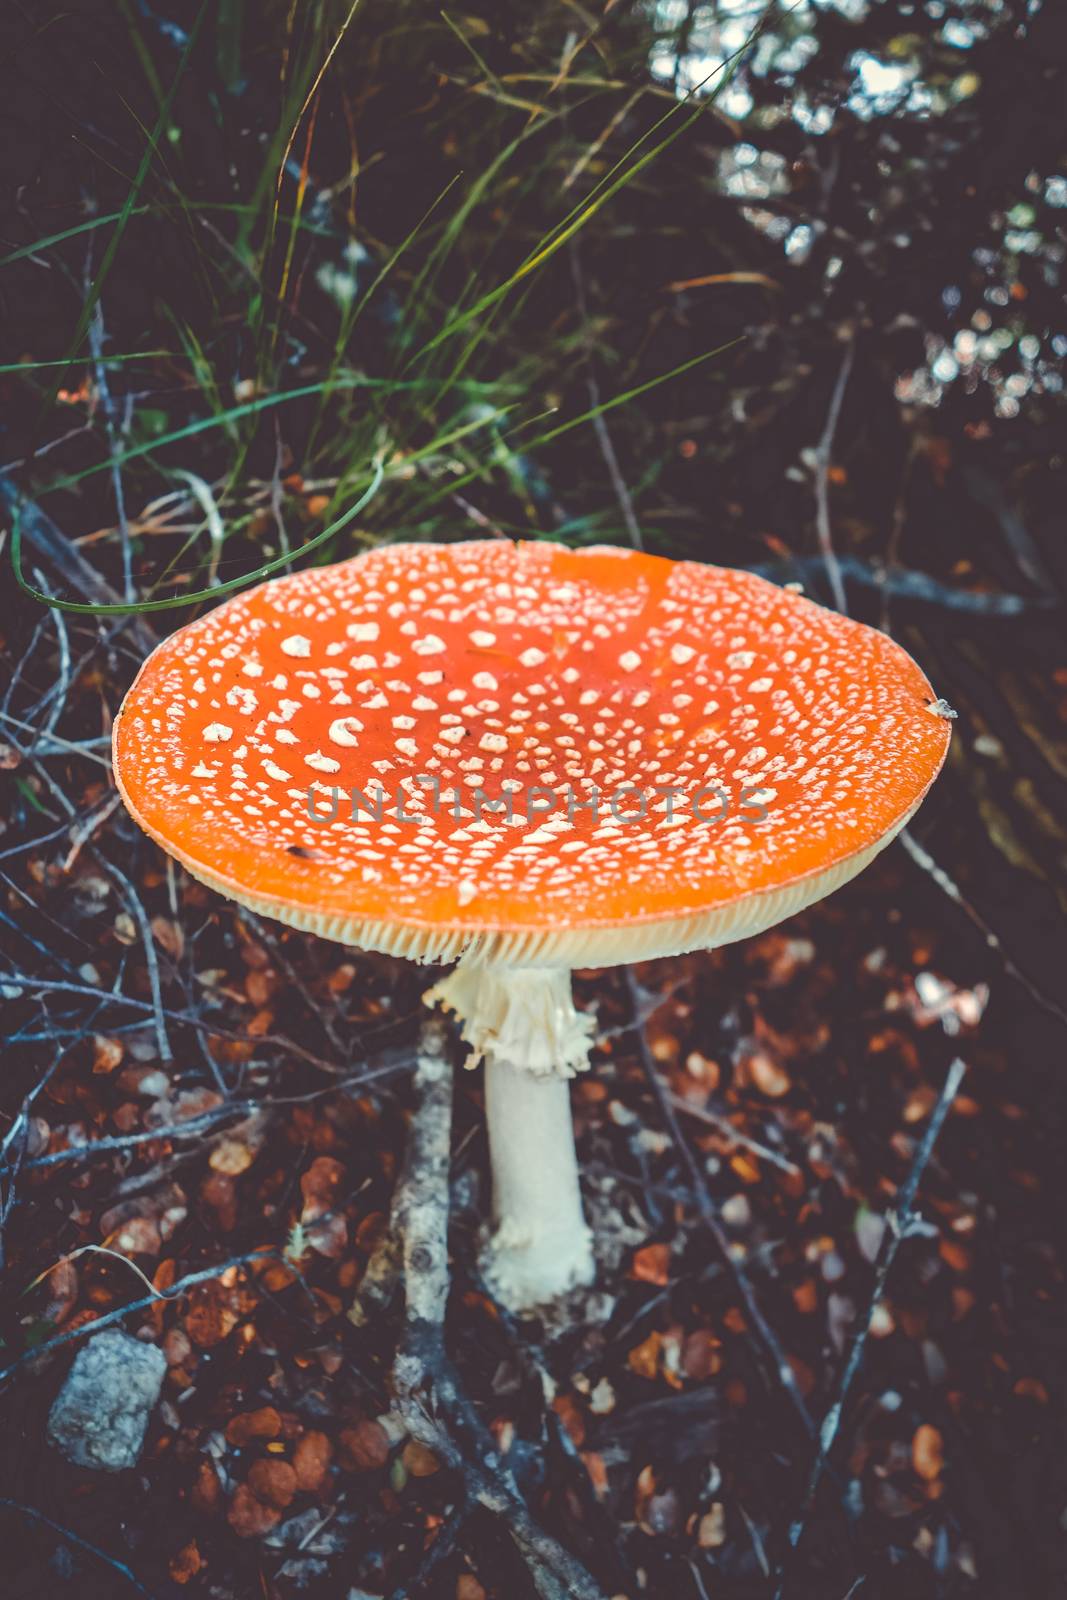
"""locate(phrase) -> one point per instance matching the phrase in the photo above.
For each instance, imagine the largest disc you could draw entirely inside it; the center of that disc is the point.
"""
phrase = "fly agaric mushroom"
(526, 758)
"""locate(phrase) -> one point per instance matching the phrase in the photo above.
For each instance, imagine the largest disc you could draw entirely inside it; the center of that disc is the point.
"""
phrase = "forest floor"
(212, 1155)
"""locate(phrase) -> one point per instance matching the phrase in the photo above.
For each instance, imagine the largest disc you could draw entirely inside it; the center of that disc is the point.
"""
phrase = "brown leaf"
(219, 1193)
(651, 1264)
(169, 936)
(644, 1357)
(927, 1452)
(210, 1317)
(176, 1347)
(248, 1516)
(328, 1237)
(366, 1446)
(63, 1288)
(701, 1355)
(206, 1491)
(571, 1417)
(711, 1530)
(231, 1157)
(248, 1425)
(768, 1075)
(186, 1563)
(273, 1481)
(420, 1462)
(107, 1053)
(319, 1186)
(311, 1461)
(137, 1236)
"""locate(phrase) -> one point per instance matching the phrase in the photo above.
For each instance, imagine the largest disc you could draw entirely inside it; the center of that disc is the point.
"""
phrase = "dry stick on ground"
(429, 1397)
(148, 945)
(175, 1292)
(42, 534)
(709, 1213)
(735, 1135)
(900, 1222)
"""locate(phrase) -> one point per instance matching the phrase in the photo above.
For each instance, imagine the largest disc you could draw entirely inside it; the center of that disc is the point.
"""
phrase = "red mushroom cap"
(491, 667)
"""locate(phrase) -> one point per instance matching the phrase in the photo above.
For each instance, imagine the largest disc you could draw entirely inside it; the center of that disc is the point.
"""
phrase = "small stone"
(100, 1415)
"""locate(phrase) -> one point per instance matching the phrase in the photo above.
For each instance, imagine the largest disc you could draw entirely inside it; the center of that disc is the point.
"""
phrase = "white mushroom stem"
(523, 1023)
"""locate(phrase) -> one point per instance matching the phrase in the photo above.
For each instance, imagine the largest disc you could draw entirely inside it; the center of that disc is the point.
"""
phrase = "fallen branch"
(429, 1395)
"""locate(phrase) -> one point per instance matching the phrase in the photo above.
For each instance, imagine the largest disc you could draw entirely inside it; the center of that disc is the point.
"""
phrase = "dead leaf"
(311, 1461)
(107, 1053)
(248, 1516)
(644, 1357)
(273, 1481)
(265, 1423)
(927, 1452)
(711, 1530)
(650, 1265)
(186, 1563)
(210, 1316)
(366, 1446)
(419, 1462)
(231, 1157)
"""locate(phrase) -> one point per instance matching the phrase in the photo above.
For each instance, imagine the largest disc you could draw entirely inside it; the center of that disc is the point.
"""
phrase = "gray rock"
(101, 1413)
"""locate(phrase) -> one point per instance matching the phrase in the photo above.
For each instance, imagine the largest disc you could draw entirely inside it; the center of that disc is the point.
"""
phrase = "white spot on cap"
(344, 731)
(681, 653)
(217, 733)
(532, 657)
(272, 770)
(362, 632)
(322, 763)
(296, 645)
(286, 736)
(431, 645)
(243, 698)
(495, 743)
(629, 661)
(482, 639)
